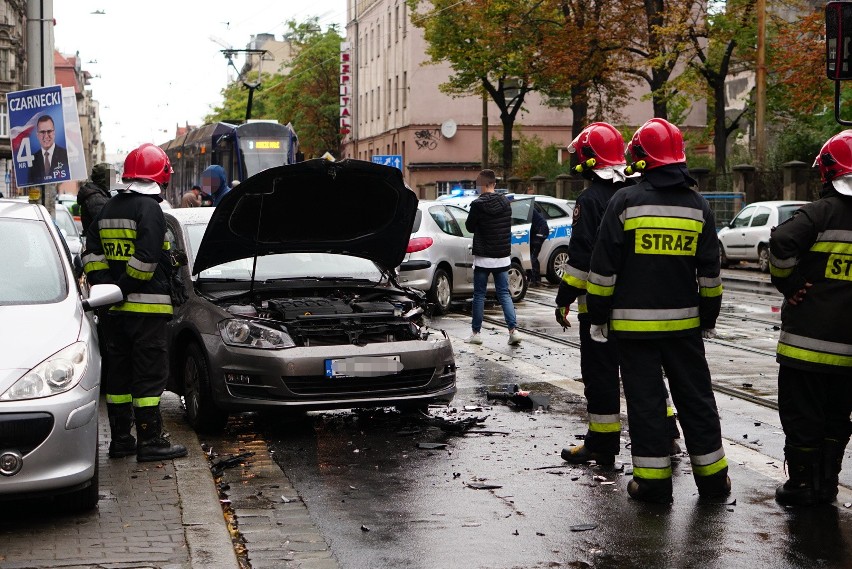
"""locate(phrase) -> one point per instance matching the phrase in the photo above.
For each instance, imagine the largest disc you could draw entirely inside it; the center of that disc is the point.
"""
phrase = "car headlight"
(57, 374)
(249, 334)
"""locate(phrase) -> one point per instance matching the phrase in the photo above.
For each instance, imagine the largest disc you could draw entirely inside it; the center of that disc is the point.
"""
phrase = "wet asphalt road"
(381, 501)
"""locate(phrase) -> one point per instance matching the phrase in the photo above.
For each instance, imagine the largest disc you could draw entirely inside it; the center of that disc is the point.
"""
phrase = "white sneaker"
(474, 339)
(514, 337)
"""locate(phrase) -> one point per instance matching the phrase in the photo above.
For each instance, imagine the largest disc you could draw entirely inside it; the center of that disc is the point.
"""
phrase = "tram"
(242, 150)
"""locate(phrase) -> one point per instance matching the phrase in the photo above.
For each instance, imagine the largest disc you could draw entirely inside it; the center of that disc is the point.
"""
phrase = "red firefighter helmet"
(148, 162)
(658, 143)
(835, 157)
(600, 141)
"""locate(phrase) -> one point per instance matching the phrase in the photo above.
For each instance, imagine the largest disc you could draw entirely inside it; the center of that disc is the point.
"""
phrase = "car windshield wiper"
(221, 280)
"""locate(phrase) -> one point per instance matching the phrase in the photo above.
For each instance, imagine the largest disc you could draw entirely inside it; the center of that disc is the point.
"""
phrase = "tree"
(493, 46)
(582, 46)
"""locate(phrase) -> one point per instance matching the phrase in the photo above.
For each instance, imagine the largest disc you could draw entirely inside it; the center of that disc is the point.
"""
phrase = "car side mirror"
(102, 295)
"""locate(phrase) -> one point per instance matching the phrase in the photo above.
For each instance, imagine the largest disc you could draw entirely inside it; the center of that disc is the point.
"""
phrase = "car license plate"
(363, 366)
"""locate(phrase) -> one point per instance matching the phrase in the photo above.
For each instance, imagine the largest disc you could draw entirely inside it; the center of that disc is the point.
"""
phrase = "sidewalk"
(163, 515)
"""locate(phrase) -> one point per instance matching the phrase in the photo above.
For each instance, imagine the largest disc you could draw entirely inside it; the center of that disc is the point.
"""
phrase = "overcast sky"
(157, 64)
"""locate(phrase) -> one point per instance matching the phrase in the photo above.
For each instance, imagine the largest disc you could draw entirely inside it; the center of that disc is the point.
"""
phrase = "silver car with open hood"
(292, 300)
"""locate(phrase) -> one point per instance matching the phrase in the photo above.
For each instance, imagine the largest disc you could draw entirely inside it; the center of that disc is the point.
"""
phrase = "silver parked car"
(293, 301)
(746, 237)
(49, 364)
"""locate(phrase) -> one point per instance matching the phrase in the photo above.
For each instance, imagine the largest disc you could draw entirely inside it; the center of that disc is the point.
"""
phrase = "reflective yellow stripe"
(95, 266)
(813, 356)
(832, 247)
(654, 325)
(573, 281)
(839, 267)
(652, 473)
(653, 222)
(141, 275)
(669, 411)
(605, 427)
(167, 246)
(126, 398)
(599, 290)
(781, 273)
(710, 469)
(710, 292)
(146, 402)
(665, 242)
(118, 233)
(143, 308)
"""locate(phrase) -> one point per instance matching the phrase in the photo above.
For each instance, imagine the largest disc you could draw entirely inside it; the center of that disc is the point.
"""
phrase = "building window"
(404, 21)
(390, 108)
(395, 24)
(378, 103)
(378, 40)
(405, 89)
(390, 27)
(4, 120)
(396, 93)
(4, 64)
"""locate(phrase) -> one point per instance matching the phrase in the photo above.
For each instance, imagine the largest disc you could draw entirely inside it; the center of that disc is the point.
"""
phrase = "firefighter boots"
(716, 485)
(121, 443)
(153, 443)
(832, 456)
(582, 455)
(654, 491)
(804, 487)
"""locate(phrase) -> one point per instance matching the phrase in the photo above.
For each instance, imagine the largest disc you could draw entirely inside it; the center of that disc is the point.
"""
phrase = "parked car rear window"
(785, 212)
(32, 270)
(761, 217)
(549, 210)
(418, 217)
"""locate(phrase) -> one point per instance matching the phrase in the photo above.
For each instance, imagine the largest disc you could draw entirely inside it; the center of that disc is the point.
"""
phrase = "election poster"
(46, 140)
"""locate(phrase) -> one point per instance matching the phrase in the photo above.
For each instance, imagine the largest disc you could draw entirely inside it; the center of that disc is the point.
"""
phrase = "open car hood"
(349, 207)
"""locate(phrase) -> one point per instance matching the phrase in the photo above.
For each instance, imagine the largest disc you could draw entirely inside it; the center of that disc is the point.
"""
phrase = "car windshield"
(66, 223)
(287, 265)
(32, 271)
(785, 212)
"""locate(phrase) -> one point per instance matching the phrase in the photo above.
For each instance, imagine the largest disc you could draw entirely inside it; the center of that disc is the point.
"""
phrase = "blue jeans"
(501, 284)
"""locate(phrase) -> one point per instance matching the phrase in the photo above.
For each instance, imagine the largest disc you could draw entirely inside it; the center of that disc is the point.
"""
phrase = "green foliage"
(532, 157)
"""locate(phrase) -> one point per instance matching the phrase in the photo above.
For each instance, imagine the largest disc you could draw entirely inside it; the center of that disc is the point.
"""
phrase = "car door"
(522, 209)
(756, 233)
(456, 244)
(734, 238)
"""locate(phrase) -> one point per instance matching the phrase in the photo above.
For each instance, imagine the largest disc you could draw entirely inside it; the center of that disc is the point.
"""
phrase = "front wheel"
(517, 282)
(441, 293)
(201, 411)
(763, 258)
(557, 265)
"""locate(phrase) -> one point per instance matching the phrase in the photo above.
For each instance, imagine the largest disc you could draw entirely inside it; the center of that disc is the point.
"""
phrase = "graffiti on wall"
(427, 139)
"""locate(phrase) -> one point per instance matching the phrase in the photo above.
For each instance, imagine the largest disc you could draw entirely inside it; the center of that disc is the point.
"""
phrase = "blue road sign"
(394, 160)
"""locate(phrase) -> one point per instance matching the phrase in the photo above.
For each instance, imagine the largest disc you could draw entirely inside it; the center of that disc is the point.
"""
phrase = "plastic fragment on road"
(432, 446)
(584, 527)
(482, 486)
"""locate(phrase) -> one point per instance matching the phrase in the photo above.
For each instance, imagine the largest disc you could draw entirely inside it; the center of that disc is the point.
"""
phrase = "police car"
(558, 212)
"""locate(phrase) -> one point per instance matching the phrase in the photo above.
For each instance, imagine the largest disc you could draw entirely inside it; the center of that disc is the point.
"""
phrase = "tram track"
(545, 299)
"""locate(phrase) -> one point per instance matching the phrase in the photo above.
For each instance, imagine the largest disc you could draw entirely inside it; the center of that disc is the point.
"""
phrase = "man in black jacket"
(490, 221)
(94, 194)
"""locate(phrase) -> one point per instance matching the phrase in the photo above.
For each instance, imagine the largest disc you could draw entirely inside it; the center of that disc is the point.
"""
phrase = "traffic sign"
(394, 160)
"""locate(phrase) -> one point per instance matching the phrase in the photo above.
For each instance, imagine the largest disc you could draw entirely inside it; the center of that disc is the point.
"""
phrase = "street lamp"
(242, 76)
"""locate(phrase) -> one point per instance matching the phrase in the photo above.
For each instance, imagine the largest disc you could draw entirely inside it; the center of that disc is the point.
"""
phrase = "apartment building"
(391, 104)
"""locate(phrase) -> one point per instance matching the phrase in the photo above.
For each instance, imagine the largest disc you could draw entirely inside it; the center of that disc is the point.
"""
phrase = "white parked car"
(746, 237)
(50, 364)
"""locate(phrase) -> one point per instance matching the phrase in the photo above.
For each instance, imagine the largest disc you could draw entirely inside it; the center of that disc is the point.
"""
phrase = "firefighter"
(810, 264)
(126, 246)
(654, 284)
(600, 155)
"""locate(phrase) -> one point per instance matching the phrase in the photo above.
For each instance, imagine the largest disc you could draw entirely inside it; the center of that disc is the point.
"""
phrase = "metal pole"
(40, 72)
(760, 91)
(484, 129)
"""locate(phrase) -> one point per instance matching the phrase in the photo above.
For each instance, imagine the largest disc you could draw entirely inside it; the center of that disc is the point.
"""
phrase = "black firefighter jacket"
(126, 246)
(815, 246)
(655, 267)
(586, 220)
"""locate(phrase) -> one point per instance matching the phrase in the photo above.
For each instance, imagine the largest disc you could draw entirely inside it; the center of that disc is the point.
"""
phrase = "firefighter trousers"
(599, 366)
(814, 407)
(139, 362)
(682, 358)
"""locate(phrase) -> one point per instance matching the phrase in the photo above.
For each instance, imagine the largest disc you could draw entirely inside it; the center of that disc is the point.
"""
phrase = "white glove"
(599, 332)
(708, 334)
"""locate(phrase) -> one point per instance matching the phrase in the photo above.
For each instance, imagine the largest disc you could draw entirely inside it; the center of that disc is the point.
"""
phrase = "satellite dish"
(448, 129)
